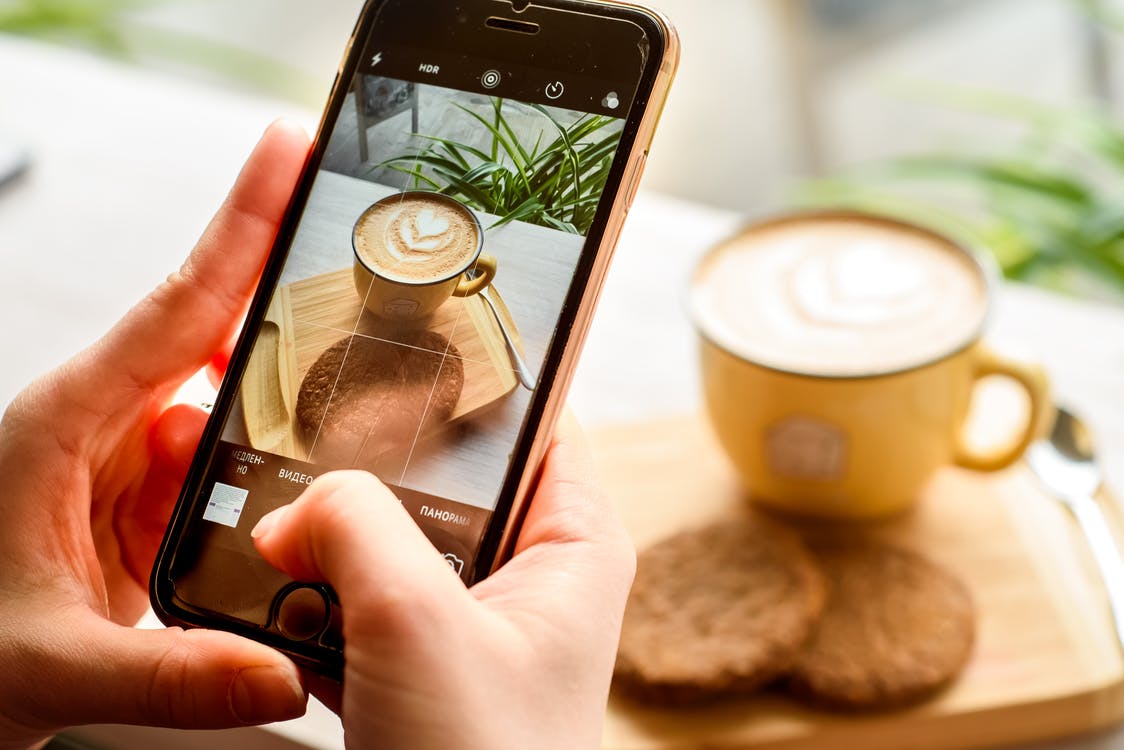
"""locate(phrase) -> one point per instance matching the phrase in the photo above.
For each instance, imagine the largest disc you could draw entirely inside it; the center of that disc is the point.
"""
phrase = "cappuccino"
(417, 238)
(839, 296)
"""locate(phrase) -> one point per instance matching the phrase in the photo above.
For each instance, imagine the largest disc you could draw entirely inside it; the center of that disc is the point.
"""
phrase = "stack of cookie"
(733, 607)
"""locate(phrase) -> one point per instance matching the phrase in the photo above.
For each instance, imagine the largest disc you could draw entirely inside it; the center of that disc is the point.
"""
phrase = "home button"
(303, 613)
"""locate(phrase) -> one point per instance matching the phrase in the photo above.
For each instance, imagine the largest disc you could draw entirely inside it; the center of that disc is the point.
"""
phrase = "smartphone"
(421, 313)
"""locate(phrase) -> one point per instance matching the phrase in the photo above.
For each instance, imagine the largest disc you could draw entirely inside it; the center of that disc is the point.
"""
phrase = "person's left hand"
(91, 459)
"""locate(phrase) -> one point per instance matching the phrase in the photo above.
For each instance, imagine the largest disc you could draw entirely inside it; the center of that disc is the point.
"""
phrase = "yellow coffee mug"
(406, 293)
(397, 300)
(860, 446)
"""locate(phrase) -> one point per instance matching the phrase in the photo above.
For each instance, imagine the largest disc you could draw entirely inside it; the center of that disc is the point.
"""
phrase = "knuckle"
(333, 500)
(44, 415)
(337, 486)
(585, 516)
(18, 413)
(394, 612)
(340, 508)
(170, 697)
(328, 514)
(36, 403)
(191, 278)
(28, 700)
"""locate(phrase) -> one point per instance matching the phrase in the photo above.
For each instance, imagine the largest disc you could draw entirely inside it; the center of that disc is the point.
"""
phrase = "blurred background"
(995, 119)
(1000, 121)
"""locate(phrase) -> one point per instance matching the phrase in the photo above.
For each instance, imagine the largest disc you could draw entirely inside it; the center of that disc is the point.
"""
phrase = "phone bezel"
(543, 408)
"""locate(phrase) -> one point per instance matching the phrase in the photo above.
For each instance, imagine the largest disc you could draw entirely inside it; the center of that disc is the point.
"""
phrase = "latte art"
(417, 237)
(839, 296)
(864, 285)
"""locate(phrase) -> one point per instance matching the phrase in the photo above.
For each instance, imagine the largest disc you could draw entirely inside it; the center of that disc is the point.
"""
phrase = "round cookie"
(364, 397)
(897, 628)
(717, 610)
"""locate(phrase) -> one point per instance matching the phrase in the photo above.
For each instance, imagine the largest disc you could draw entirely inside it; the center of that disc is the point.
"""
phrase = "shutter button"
(303, 614)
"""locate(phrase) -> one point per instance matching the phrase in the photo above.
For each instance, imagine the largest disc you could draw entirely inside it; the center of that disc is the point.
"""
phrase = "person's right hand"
(521, 660)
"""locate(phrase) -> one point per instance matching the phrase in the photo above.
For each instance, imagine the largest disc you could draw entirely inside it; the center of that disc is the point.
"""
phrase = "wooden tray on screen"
(308, 316)
(1045, 663)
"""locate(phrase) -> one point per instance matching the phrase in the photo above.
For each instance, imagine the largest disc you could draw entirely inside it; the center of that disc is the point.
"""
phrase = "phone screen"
(415, 313)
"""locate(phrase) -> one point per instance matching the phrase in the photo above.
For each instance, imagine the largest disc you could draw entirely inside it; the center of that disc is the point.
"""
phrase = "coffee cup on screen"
(839, 356)
(414, 250)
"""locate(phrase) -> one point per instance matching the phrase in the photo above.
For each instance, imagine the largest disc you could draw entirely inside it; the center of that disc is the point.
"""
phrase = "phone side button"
(634, 181)
(303, 613)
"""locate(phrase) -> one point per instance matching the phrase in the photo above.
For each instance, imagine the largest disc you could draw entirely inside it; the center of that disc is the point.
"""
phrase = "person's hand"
(521, 660)
(91, 460)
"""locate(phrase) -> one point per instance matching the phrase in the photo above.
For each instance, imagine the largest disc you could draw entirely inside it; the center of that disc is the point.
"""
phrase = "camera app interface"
(416, 306)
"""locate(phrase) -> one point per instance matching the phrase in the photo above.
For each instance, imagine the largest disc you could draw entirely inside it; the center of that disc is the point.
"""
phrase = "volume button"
(634, 180)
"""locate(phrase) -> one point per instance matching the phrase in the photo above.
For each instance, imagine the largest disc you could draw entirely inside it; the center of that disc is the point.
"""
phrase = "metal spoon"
(517, 361)
(1065, 465)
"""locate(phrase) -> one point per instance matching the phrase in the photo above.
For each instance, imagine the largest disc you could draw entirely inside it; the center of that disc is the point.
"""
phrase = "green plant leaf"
(567, 149)
(553, 181)
(525, 211)
(991, 172)
(499, 139)
(512, 137)
(454, 149)
(418, 176)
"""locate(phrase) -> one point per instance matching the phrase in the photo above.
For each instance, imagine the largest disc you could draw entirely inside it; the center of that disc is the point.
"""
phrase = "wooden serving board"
(1045, 662)
(311, 315)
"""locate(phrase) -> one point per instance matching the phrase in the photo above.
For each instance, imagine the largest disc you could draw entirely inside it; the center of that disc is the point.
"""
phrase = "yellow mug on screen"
(416, 249)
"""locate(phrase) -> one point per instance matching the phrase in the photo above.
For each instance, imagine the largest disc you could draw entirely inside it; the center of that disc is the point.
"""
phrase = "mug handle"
(485, 271)
(1033, 380)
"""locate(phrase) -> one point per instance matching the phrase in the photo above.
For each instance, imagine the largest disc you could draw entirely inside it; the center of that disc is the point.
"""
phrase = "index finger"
(174, 332)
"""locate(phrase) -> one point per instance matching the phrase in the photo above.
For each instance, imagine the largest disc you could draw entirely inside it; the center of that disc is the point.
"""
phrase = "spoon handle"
(1105, 553)
(521, 370)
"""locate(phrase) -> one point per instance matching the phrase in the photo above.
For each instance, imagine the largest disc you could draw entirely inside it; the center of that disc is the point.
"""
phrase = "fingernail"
(268, 521)
(263, 694)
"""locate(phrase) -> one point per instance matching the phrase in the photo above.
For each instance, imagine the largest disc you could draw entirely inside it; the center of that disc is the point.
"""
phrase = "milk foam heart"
(419, 235)
(417, 238)
(839, 296)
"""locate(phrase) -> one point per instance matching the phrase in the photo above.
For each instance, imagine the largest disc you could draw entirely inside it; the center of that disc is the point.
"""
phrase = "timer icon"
(554, 90)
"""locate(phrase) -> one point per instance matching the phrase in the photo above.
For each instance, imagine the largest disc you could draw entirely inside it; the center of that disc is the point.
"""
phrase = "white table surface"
(129, 166)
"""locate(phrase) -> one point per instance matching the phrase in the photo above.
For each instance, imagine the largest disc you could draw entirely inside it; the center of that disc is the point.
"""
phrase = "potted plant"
(555, 181)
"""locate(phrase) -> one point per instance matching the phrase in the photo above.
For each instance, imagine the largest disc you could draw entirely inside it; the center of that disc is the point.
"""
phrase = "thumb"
(349, 530)
(198, 679)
